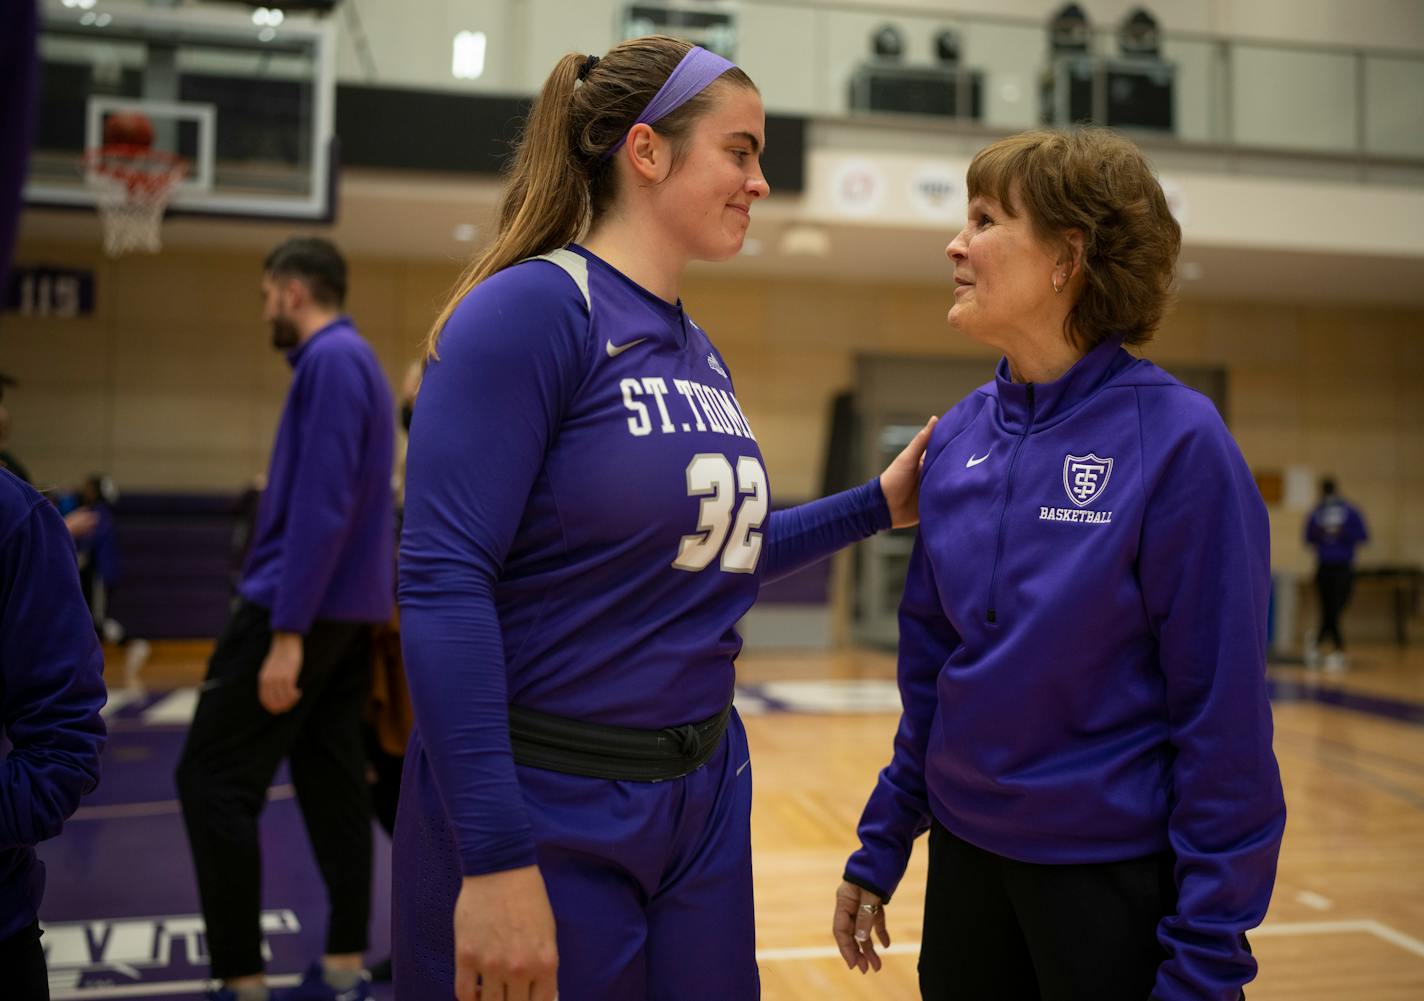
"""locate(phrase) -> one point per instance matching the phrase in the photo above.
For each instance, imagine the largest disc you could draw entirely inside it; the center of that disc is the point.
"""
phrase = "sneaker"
(315, 988)
(1336, 662)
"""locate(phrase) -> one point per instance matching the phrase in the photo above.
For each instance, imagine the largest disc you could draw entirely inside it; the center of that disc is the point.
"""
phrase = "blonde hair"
(560, 182)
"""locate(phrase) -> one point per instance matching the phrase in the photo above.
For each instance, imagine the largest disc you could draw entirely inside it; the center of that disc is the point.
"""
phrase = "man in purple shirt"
(288, 677)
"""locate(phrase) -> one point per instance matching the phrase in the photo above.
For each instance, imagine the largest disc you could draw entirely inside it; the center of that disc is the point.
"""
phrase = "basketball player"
(586, 520)
(288, 678)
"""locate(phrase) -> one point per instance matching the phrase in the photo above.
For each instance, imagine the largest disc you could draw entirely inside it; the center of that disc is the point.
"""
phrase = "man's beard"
(285, 335)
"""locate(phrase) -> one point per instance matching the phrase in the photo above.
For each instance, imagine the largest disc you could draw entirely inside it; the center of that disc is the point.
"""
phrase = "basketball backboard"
(248, 104)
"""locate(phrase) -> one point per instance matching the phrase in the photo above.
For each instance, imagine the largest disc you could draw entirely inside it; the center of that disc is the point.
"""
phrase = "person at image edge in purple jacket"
(587, 518)
(51, 667)
(1086, 733)
(288, 677)
(51, 734)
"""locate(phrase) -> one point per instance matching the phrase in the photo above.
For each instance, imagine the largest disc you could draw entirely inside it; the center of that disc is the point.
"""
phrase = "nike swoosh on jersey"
(615, 350)
(972, 462)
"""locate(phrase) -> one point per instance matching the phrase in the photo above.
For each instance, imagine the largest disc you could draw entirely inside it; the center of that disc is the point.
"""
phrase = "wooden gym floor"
(1347, 919)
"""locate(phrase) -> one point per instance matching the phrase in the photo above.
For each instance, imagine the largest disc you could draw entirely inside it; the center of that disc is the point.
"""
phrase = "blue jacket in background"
(1335, 528)
(326, 522)
(1082, 652)
(51, 691)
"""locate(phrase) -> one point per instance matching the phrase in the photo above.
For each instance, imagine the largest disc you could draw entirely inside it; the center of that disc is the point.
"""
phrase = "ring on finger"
(870, 908)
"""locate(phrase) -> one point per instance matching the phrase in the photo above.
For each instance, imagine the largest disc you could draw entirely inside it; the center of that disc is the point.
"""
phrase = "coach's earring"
(1056, 286)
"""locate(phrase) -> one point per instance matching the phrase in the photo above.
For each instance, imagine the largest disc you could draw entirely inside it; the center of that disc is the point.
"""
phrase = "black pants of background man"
(22, 966)
(1334, 583)
(1000, 930)
(232, 752)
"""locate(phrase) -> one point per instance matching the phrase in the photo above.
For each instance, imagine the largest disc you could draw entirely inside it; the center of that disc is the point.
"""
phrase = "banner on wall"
(62, 293)
(886, 188)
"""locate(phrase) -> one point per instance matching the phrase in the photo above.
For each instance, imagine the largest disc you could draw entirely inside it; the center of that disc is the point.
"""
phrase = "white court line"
(1375, 928)
(121, 697)
(1405, 942)
(155, 989)
(1314, 901)
(174, 709)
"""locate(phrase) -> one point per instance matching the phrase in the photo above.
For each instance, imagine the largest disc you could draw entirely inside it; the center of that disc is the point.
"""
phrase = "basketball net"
(132, 187)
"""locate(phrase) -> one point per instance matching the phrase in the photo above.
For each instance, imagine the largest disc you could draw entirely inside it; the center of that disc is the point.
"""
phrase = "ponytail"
(546, 202)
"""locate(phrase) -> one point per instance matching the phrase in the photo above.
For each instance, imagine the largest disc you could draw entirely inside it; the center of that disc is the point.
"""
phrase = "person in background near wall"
(1086, 732)
(289, 675)
(89, 514)
(51, 669)
(389, 716)
(1334, 528)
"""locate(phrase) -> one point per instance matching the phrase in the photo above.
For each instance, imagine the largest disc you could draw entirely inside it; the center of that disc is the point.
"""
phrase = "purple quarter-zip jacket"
(51, 691)
(1082, 652)
(326, 523)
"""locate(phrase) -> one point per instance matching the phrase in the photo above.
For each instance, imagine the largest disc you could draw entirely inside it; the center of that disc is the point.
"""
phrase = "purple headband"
(691, 77)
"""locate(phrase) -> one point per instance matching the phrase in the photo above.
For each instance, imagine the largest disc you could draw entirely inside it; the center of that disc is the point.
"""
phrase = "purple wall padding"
(177, 564)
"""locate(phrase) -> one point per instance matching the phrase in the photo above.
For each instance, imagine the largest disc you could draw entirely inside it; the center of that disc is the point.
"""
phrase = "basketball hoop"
(132, 185)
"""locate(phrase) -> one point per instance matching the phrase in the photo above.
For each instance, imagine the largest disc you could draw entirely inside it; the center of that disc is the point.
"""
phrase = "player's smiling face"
(710, 193)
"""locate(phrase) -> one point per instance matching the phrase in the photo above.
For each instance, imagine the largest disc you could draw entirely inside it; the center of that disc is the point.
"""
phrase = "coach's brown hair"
(560, 182)
(1095, 182)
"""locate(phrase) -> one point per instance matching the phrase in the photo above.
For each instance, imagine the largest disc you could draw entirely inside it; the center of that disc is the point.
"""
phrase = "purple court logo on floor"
(97, 957)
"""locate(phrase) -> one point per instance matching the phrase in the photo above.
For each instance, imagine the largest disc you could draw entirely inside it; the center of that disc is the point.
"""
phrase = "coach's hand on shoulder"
(860, 917)
(277, 681)
(504, 936)
(901, 480)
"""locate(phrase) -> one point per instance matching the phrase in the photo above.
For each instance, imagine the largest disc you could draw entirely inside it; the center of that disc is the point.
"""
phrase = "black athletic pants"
(22, 966)
(1334, 582)
(232, 752)
(1001, 930)
(383, 775)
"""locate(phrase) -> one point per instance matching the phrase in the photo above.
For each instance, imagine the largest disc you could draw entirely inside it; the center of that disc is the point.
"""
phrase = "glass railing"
(1245, 95)
(815, 58)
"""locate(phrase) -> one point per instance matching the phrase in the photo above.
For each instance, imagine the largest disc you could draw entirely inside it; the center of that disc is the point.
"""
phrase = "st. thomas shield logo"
(1085, 477)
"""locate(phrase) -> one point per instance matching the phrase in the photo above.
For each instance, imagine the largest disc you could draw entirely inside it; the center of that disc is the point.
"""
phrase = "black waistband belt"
(574, 747)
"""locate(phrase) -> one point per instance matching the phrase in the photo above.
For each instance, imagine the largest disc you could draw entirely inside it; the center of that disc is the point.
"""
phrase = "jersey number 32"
(711, 477)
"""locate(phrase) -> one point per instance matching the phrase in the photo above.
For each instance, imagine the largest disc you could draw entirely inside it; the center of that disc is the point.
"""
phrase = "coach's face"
(278, 301)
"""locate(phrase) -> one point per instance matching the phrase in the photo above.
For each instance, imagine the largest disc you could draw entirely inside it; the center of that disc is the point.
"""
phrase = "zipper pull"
(993, 616)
